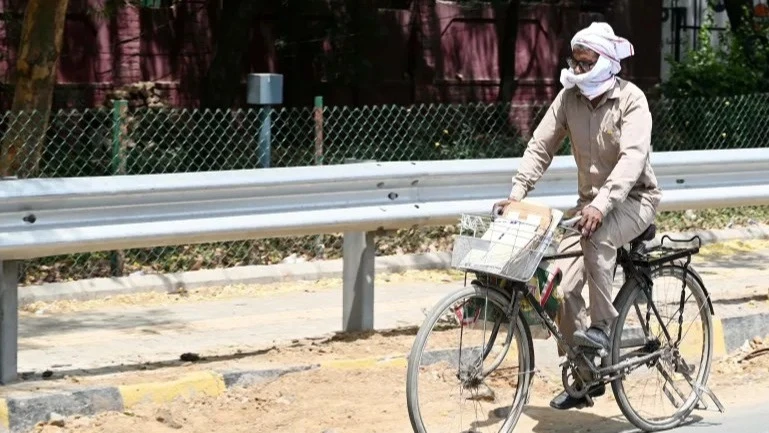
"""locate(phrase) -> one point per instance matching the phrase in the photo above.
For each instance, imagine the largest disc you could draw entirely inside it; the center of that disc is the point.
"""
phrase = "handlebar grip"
(571, 222)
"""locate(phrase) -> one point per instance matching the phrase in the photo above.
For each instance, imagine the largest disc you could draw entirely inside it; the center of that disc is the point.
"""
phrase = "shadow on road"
(573, 421)
(353, 336)
(550, 420)
(29, 376)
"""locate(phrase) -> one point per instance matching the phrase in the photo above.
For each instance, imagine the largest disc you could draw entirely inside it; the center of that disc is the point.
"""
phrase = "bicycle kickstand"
(700, 389)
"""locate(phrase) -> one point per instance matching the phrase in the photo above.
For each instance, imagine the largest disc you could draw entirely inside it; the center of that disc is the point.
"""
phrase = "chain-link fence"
(122, 140)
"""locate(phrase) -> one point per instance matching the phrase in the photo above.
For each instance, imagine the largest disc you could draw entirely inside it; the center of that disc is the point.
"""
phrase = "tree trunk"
(740, 21)
(221, 84)
(222, 81)
(41, 40)
(735, 10)
(507, 43)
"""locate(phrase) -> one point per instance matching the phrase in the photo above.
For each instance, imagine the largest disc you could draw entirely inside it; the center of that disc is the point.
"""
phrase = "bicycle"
(504, 284)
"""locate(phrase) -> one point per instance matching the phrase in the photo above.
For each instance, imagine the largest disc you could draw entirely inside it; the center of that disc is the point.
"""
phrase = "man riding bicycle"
(609, 125)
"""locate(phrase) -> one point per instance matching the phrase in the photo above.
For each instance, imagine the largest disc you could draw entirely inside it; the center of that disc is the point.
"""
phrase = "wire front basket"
(507, 247)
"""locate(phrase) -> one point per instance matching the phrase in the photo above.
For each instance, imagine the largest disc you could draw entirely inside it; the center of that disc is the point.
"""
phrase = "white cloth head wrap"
(600, 38)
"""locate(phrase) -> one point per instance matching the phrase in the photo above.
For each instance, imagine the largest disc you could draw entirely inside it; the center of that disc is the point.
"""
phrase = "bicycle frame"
(635, 264)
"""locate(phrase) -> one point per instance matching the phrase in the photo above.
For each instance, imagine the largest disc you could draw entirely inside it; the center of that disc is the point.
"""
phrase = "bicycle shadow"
(550, 420)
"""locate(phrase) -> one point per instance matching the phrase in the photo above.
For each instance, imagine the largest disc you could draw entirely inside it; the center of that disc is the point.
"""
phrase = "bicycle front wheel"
(470, 366)
(659, 394)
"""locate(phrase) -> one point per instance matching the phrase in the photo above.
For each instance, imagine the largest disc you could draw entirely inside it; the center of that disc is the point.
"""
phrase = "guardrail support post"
(9, 321)
(358, 252)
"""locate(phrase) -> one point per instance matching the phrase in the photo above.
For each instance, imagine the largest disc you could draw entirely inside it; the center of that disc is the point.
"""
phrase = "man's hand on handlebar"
(592, 219)
(587, 221)
(499, 207)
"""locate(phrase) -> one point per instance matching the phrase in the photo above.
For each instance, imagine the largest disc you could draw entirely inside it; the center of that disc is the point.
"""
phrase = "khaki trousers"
(596, 267)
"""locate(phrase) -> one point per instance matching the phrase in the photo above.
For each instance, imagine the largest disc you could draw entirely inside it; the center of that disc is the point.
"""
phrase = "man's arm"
(540, 150)
(635, 144)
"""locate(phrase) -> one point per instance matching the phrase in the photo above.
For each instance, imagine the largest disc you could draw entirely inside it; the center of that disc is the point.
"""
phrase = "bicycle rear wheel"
(470, 366)
(686, 347)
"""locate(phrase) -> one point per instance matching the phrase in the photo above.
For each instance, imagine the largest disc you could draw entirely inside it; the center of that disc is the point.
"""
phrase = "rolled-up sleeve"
(635, 145)
(541, 148)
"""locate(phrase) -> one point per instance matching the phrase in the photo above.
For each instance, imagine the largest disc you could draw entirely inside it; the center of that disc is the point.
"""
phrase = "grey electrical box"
(265, 89)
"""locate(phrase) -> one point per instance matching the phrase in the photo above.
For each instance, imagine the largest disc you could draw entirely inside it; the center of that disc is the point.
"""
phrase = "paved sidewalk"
(97, 340)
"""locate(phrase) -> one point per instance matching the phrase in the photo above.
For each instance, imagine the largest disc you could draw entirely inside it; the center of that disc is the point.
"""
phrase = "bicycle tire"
(521, 337)
(623, 304)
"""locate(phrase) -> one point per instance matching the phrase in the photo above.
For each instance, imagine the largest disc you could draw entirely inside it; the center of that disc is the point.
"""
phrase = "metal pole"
(9, 321)
(358, 252)
(265, 91)
(265, 137)
(118, 167)
(318, 117)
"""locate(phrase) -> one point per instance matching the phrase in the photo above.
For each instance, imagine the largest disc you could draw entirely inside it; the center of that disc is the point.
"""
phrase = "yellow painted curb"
(719, 339)
(5, 419)
(198, 383)
(394, 362)
(693, 346)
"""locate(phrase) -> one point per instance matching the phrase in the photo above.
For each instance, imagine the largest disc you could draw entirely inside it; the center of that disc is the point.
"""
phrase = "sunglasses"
(584, 66)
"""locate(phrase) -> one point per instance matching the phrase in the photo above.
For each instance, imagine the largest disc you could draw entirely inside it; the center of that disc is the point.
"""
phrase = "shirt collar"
(615, 91)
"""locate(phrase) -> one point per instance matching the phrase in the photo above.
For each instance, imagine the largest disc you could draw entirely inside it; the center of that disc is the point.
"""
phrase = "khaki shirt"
(610, 143)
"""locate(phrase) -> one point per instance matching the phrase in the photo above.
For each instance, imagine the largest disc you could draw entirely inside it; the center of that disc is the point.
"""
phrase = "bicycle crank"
(574, 385)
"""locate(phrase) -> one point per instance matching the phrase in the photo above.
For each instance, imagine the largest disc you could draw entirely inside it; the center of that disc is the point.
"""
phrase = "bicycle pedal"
(684, 368)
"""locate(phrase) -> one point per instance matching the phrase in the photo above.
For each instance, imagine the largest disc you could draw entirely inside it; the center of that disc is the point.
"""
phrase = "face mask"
(593, 83)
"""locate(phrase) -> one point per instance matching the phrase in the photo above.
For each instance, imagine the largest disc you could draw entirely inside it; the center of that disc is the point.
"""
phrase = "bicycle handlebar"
(570, 223)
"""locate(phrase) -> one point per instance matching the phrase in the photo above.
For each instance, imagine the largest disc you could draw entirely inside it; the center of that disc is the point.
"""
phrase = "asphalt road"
(751, 419)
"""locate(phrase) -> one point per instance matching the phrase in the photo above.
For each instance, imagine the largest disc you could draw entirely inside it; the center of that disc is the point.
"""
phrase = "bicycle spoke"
(691, 324)
(655, 394)
(455, 391)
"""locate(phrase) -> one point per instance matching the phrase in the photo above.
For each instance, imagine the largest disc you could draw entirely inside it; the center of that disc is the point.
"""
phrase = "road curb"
(20, 413)
(167, 283)
(96, 288)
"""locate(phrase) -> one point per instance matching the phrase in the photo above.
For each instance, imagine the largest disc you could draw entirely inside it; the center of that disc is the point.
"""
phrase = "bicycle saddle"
(647, 234)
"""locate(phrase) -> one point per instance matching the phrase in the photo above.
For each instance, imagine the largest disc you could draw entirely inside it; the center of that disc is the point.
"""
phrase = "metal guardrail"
(44, 217)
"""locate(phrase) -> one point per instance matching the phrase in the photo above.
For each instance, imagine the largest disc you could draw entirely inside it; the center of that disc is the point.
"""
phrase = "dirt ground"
(337, 400)
(353, 399)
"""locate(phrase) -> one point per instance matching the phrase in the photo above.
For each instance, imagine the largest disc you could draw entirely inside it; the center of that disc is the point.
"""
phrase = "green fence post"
(118, 167)
(318, 117)
(117, 163)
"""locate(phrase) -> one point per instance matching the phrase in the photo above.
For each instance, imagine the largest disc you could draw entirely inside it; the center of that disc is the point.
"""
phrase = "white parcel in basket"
(510, 246)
